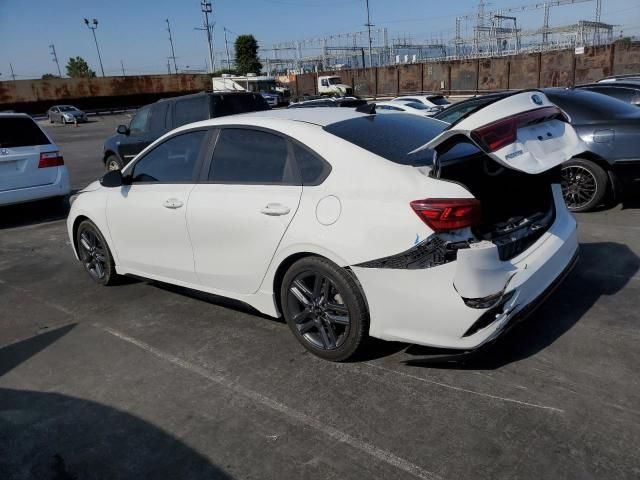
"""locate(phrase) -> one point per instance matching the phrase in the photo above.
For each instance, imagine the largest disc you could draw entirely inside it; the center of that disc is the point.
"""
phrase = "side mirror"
(123, 130)
(112, 179)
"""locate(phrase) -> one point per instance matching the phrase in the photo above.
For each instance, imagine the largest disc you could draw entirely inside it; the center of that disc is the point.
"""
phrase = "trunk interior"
(517, 208)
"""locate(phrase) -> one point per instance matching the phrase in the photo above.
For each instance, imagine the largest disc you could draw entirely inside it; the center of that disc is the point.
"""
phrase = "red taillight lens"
(443, 214)
(50, 159)
(504, 132)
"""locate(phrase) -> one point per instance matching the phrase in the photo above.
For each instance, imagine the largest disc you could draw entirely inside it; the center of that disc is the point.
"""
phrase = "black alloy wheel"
(584, 184)
(94, 253)
(324, 308)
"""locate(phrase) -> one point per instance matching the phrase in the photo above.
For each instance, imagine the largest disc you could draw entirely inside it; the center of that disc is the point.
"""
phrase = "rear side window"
(20, 132)
(391, 136)
(313, 169)
(244, 156)
(238, 103)
(174, 160)
(191, 110)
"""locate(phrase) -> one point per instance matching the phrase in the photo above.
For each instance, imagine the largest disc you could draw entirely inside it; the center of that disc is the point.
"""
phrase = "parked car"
(31, 165)
(414, 108)
(319, 101)
(627, 91)
(633, 77)
(436, 103)
(610, 128)
(152, 121)
(66, 114)
(275, 218)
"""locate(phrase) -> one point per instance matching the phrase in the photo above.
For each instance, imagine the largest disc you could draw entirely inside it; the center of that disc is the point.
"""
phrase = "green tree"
(247, 55)
(49, 76)
(79, 68)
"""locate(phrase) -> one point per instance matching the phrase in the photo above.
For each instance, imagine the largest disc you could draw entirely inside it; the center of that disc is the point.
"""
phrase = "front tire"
(584, 184)
(94, 254)
(113, 163)
(324, 308)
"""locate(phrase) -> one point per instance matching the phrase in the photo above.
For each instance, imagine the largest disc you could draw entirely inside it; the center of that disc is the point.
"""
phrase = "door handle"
(172, 203)
(275, 209)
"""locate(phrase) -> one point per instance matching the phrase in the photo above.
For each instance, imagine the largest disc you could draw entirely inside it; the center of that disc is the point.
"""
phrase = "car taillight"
(442, 214)
(504, 132)
(50, 159)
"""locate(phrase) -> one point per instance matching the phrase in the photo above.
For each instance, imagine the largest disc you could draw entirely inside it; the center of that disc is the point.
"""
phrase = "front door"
(237, 219)
(147, 218)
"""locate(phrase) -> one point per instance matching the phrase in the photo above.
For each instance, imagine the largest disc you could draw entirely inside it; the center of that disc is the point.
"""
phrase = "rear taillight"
(442, 214)
(504, 132)
(50, 159)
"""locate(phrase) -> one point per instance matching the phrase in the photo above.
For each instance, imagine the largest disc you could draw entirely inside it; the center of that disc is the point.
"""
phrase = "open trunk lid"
(524, 132)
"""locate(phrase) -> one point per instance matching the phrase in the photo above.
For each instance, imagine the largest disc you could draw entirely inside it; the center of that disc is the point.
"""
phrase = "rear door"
(237, 218)
(524, 132)
(21, 143)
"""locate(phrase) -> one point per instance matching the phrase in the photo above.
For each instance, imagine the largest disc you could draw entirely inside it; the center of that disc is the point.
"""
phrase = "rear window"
(587, 107)
(417, 106)
(438, 100)
(20, 132)
(391, 136)
(238, 103)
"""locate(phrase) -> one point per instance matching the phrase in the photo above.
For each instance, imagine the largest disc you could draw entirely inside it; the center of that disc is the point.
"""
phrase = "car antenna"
(368, 108)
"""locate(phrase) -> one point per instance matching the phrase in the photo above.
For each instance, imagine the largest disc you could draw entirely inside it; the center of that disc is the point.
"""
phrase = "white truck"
(332, 85)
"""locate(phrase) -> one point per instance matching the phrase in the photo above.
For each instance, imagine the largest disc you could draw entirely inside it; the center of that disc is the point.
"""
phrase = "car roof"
(13, 114)
(626, 83)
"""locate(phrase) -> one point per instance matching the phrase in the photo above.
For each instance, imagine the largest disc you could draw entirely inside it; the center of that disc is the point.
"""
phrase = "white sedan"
(413, 108)
(31, 165)
(347, 223)
(436, 103)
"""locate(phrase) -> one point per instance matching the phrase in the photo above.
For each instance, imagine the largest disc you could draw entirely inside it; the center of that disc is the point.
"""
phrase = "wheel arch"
(108, 153)
(288, 261)
(74, 230)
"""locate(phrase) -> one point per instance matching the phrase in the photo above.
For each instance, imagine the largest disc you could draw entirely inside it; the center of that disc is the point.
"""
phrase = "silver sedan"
(66, 114)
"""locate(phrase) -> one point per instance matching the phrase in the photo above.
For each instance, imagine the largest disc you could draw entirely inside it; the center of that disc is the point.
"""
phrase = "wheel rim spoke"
(338, 319)
(301, 292)
(306, 326)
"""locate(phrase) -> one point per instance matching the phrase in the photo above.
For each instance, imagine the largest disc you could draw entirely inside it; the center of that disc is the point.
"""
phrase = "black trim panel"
(429, 253)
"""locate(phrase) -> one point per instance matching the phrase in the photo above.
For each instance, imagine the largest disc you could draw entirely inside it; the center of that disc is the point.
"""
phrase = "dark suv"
(152, 121)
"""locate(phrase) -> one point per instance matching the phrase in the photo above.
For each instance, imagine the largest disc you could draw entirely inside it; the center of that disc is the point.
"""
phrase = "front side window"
(172, 161)
(244, 156)
(140, 121)
(158, 117)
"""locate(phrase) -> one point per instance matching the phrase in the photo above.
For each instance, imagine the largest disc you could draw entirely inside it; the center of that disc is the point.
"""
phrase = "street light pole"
(92, 26)
(226, 44)
(206, 10)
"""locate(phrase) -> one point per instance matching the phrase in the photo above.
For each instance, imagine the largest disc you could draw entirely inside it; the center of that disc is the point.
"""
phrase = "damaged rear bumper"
(431, 306)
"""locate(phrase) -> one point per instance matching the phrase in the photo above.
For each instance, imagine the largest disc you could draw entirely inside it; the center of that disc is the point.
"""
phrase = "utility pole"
(227, 46)
(13, 75)
(55, 58)
(168, 66)
(122, 65)
(173, 54)
(206, 10)
(368, 25)
(93, 26)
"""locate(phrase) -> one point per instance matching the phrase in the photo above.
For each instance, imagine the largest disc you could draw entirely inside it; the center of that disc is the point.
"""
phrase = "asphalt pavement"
(145, 380)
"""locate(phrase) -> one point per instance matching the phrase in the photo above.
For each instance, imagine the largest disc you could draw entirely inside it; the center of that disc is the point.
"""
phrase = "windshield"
(67, 108)
(417, 106)
(438, 100)
(334, 80)
(267, 86)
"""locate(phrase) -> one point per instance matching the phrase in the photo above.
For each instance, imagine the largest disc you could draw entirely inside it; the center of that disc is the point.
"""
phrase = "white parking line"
(296, 416)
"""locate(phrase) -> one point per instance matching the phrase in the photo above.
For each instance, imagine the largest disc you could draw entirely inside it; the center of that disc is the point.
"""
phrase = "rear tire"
(584, 184)
(94, 254)
(324, 308)
(113, 163)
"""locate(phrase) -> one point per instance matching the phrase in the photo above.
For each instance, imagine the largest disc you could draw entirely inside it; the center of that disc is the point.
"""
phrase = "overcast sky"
(135, 31)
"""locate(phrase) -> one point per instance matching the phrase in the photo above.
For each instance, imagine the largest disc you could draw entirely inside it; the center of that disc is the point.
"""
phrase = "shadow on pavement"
(603, 270)
(59, 437)
(32, 213)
